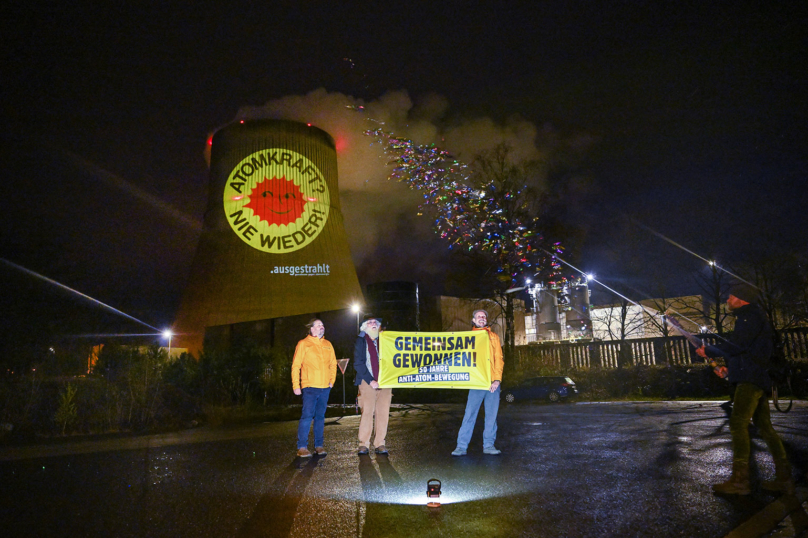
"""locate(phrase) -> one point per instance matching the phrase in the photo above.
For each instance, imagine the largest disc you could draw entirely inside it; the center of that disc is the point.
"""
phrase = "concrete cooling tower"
(273, 242)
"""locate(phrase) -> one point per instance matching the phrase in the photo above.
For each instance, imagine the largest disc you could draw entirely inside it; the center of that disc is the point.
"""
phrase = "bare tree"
(688, 311)
(783, 283)
(620, 321)
(715, 284)
(497, 209)
(798, 306)
(496, 225)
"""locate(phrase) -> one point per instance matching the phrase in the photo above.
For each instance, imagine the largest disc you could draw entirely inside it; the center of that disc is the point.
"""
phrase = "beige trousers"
(373, 402)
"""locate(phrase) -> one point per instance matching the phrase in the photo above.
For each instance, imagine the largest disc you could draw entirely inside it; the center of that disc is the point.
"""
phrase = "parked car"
(552, 388)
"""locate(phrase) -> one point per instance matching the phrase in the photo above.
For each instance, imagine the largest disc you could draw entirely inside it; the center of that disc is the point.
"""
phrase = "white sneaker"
(459, 452)
(492, 450)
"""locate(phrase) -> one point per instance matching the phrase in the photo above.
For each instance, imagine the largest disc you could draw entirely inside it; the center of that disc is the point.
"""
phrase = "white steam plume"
(372, 205)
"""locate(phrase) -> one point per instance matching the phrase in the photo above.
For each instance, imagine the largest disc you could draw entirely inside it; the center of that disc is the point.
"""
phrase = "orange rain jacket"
(497, 364)
(315, 364)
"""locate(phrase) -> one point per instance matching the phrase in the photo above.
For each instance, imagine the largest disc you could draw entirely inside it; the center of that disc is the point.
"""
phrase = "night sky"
(688, 116)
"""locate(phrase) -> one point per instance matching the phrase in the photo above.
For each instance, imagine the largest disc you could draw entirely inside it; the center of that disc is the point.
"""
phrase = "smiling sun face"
(277, 201)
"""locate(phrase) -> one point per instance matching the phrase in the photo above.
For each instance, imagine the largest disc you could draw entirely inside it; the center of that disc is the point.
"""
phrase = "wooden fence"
(673, 350)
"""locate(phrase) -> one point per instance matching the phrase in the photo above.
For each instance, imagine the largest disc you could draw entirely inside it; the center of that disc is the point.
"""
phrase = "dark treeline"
(140, 389)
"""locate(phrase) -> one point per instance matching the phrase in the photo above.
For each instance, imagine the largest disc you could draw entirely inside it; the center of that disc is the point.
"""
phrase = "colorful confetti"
(470, 215)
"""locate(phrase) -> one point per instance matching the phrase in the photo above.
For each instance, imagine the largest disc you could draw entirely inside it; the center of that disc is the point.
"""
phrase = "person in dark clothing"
(746, 354)
(374, 400)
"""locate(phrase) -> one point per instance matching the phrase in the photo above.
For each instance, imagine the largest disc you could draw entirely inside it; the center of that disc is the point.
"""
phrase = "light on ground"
(433, 492)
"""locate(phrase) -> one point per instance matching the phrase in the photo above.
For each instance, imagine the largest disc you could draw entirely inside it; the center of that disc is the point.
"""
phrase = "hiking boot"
(320, 451)
(782, 480)
(738, 483)
(459, 452)
(303, 453)
(363, 450)
(381, 450)
(491, 450)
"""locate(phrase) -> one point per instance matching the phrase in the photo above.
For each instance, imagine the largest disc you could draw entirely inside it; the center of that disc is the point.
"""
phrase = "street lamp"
(168, 334)
(356, 309)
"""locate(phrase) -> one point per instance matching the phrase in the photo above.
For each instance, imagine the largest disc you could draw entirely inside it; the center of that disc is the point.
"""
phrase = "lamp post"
(356, 309)
(168, 334)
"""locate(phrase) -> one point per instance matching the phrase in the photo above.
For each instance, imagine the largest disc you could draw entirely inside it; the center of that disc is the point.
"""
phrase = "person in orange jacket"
(489, 398)
(314, 370)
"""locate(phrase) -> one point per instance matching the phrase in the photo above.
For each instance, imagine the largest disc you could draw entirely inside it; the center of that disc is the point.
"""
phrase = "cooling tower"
(273, 242)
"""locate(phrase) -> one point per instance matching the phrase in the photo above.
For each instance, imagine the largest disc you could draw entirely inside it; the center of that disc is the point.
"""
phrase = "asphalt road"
(579, 470)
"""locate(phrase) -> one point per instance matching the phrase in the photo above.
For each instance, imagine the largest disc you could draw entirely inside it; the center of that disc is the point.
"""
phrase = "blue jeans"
(314, 403)
(491, 403)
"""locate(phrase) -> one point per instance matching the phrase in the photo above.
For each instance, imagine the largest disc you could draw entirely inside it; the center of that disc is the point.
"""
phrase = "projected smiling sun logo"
(276, 201)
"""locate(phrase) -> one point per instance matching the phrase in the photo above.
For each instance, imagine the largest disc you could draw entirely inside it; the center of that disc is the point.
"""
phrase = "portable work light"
(433, 492)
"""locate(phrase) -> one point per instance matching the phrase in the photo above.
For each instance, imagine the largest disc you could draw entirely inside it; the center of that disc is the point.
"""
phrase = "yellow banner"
(457, 360)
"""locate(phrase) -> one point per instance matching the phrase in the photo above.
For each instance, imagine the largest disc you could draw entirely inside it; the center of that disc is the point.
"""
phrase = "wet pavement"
(579, 469)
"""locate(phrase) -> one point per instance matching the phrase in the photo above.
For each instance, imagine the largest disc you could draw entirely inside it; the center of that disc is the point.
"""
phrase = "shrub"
(67, 412)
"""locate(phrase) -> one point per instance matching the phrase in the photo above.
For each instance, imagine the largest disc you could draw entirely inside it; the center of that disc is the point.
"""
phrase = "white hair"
(364, 327)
